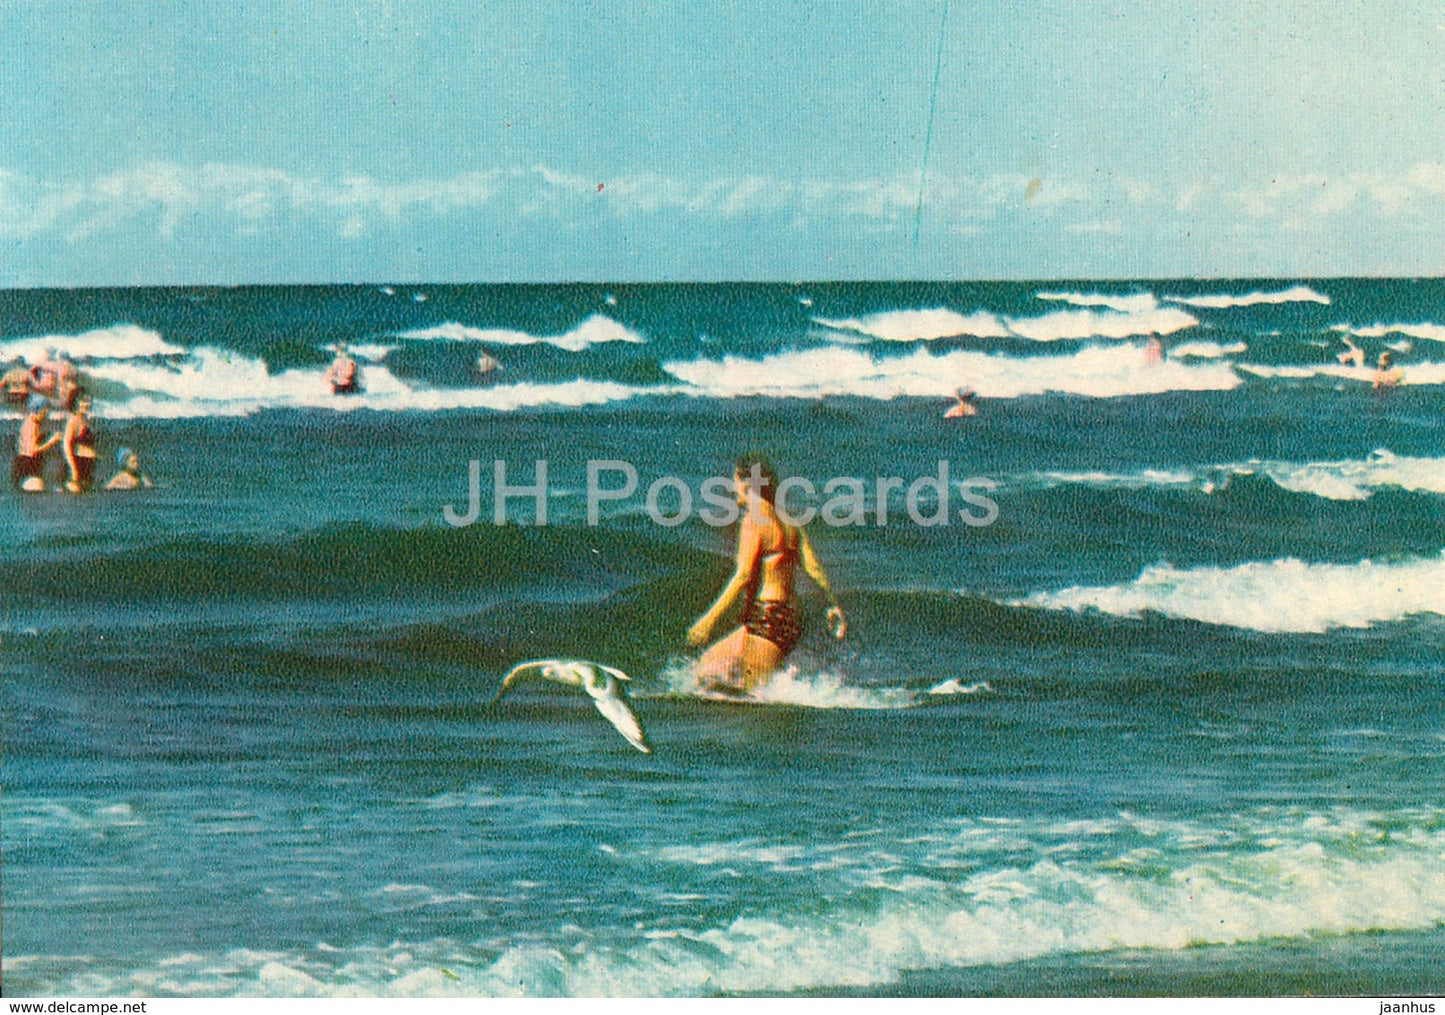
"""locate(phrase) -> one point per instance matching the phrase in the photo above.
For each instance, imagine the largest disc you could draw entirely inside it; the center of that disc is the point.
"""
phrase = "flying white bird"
(603, 683)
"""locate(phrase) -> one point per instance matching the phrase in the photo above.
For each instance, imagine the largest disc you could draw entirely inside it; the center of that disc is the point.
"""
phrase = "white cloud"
(164, 199)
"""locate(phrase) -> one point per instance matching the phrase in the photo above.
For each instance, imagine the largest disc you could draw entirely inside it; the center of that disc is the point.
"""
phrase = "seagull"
(603, 683)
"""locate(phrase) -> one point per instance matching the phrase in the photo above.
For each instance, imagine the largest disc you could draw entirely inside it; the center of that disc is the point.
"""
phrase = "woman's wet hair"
(745, 467)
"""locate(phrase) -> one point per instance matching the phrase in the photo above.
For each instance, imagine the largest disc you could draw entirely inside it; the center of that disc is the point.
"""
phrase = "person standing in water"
(27, 471)
(769, 551)
(16, 384)
(341, 375)
(965, 406)
(1387, 375)
(78, 445)
(1352, 355)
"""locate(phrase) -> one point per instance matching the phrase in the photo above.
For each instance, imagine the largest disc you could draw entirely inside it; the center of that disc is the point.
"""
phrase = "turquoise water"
(1170, 724)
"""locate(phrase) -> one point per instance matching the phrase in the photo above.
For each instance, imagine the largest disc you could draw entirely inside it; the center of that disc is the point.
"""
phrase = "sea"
(1141, 693)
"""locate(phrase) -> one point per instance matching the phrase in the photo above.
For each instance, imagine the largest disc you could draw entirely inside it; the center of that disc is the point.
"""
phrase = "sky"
(187, 143)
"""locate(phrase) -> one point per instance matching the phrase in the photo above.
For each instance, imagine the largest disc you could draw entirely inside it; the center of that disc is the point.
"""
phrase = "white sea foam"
(954, 685)
(920, 325)
(1359, 479)
(1219, 301)
(1345, 479)
(1120, 317)
(124, 341)
(1083, 324)
(964, 893)
(1134, 303)
(211, 382)
(1096, 371)
(1285, 595)
(1207, 350)
(371, 352)
(595, 330)
(1425, 373)
(1424, 329)
(796, 686)
(792, 686)
(1142, 479)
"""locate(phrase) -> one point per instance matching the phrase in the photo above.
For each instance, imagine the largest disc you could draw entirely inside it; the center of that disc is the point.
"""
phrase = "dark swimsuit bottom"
(84, 467)
(26, 466)
(776, 620)
(84, 470)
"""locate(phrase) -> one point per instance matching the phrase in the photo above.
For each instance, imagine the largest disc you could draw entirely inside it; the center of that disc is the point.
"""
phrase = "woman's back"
(777, 555)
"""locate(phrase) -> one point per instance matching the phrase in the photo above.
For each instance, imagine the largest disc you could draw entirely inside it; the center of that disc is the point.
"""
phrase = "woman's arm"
(749, 543)
(814, 567)
(72, 426)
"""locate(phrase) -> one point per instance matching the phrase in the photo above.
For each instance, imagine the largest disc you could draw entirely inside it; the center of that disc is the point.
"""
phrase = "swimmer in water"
(341, 375)
(1387, 375)
(1352, 355)
(1154, 350)
(129, 477)
(964, 407)
(769, 552)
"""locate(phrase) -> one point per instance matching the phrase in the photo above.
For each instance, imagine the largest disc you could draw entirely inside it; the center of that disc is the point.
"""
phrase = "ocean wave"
(801, 688)
(121, 342)
(1084, 324)
(963, 893)
(1221, 301)
(213, 382)
(1424, 373)
(1207, 350)
(1344, 479)
(595, 330)
(1135, 303)
(1426, 330)
(1359, 479)
(1142, 479)
(1095, 371)
(1120, 318)
(920, 325)
(1278, 596)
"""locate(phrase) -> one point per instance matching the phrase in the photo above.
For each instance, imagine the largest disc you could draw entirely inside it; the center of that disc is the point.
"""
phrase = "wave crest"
(1222, 301)
(1278, 596)
(121, 342)
(1095, 371)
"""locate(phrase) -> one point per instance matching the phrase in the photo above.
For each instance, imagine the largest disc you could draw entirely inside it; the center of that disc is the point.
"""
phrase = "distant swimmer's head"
(37, 405)
(1385, 359)
(753, 473)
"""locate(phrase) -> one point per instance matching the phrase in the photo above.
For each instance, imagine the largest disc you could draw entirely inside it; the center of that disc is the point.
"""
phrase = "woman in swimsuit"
(769, 551)
(79, 445)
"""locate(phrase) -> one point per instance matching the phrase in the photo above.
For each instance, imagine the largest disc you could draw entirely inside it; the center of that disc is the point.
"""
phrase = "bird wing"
(619, 715)
(516, 674)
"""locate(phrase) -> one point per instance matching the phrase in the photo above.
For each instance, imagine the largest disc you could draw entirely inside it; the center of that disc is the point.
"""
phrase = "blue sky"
(197, 142)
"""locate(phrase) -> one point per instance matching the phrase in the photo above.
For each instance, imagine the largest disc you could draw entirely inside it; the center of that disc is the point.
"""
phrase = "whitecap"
(1277, 596)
